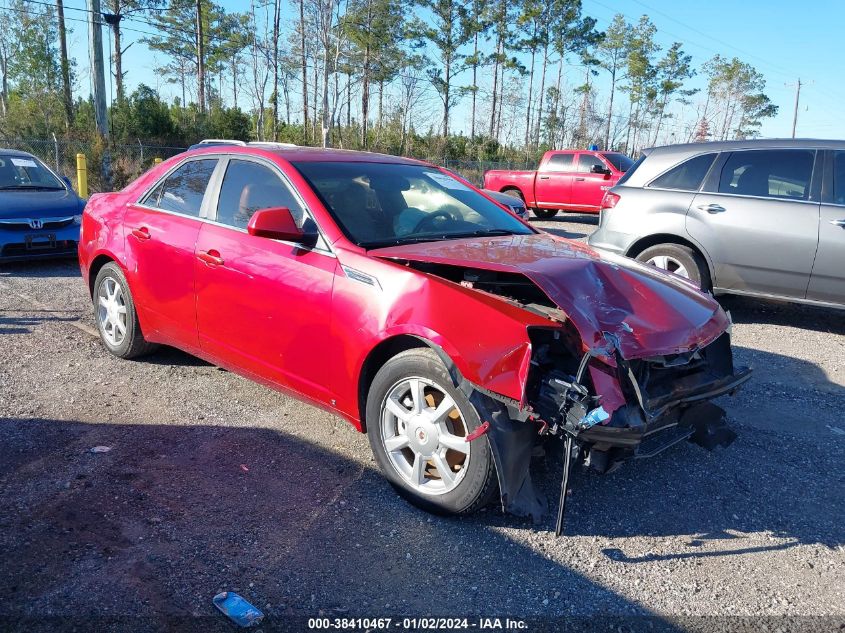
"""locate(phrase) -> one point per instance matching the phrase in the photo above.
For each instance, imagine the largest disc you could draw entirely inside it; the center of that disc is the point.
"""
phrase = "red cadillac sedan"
(398, 296)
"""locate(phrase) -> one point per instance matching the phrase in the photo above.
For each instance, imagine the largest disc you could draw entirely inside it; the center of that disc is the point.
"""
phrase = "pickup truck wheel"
(114, 311)
(545, 214)
(416, 424)
(678, 259)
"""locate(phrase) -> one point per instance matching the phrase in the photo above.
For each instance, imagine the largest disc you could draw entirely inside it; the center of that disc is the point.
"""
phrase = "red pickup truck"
(569, 180)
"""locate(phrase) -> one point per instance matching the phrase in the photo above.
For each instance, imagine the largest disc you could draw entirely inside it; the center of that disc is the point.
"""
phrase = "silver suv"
(763, 218)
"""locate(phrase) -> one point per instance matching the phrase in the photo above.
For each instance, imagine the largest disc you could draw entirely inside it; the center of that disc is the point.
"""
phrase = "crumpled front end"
(619, 409)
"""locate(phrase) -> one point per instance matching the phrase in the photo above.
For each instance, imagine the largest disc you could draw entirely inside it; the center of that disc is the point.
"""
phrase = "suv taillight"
(609, 201)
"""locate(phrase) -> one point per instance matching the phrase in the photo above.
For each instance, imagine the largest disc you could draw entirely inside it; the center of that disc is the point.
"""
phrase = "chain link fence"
(473, 170)
(130, 161)
(127, 161)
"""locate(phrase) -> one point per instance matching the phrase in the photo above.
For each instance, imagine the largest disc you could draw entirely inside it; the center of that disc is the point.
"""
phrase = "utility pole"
(795, 115)
(65, 65)
(200, 59)
(95, 51)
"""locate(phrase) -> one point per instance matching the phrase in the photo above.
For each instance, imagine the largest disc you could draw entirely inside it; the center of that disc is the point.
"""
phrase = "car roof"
(310, 154)
(659, 159)
(15, 152)
(752, 143)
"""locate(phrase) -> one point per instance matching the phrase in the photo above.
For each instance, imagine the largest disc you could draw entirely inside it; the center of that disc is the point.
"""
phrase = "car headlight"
(77, 219)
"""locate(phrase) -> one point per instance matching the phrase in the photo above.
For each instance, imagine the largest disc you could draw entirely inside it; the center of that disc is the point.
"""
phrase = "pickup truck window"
(586, 162)
(381, 204)
(620, 161)
(559, 162)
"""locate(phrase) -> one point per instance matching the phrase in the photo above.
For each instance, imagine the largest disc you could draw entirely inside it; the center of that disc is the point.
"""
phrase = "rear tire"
(115, 315)
(417, 438)
(545, 214)
(678, 259)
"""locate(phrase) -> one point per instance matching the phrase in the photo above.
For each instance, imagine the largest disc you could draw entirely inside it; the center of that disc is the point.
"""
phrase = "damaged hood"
(645, 311)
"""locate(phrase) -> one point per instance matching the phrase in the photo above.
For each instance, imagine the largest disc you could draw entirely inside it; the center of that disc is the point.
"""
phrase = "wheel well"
(666, 238)
(93, 271)
(517, 189)
(377, 357)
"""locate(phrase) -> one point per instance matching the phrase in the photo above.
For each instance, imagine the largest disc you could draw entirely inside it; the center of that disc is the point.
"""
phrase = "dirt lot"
(213, 483)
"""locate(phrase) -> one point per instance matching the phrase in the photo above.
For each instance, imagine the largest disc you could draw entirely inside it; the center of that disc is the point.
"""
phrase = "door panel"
(588, 189)
(759, 225)
(827, 283)
(553, 184)
(160, 261)
(756, 245)
(266, 308)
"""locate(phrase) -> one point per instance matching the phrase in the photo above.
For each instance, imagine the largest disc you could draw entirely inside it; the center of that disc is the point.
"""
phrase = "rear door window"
(586, 162)
(687, 176)
(776, 173)
(560, 162)
(183, 190)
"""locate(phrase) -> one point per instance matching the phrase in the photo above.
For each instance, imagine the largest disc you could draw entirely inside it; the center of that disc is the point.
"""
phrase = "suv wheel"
(545, 214)
(681, 260)
(416, 423)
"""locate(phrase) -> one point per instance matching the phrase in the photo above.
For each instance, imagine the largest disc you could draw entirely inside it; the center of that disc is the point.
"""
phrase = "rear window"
(183, 190)
(776, 173)
(687, 176)
(627, 175)
(619, 161)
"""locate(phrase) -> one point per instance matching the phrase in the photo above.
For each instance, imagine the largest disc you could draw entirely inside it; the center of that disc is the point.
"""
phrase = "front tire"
(114, 312)
(545, 214)
(416, 423)
(678, 259)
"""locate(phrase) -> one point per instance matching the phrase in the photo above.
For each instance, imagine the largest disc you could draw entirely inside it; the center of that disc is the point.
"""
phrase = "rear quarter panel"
(102, 231)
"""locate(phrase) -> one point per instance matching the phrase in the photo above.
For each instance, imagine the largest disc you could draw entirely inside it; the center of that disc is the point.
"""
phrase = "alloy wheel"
(423, 434)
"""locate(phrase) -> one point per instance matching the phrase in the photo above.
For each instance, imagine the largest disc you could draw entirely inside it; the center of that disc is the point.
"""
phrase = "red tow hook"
(481, 430)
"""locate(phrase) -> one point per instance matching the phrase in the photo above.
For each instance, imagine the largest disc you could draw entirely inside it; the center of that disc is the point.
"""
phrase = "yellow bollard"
(157, 160)
(81, 176)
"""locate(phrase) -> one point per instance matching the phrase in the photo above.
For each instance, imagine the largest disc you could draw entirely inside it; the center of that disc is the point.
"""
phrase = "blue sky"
(783, 39)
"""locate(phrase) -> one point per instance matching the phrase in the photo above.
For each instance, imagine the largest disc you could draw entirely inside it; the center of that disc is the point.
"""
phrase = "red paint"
(481, 430)
(553, 187)
(296, 320)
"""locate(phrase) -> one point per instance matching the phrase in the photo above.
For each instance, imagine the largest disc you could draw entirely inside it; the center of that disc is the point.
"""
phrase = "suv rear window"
(775, 173)
(687, 176)
(627, 175)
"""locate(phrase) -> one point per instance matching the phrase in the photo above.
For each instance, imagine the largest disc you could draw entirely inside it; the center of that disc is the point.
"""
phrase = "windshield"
(25, 172)
(380, 204)
(620, 161)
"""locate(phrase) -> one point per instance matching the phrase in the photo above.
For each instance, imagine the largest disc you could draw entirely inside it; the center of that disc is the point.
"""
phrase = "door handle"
(712, 208)
(544, 177)
(210, 257)
(142, 233)
(579, 178)
(838, 223)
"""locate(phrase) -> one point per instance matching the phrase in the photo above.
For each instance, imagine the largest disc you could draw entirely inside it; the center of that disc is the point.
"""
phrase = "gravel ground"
(213, 482)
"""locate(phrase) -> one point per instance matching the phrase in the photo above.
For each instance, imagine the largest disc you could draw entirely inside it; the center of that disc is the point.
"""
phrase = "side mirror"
(276, 223)
(600, 169)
